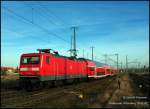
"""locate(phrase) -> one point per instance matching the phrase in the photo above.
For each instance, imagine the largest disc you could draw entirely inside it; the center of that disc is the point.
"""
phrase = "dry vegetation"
(93, 94)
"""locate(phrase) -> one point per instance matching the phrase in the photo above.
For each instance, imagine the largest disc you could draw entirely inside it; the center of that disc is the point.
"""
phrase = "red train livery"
(47, 66)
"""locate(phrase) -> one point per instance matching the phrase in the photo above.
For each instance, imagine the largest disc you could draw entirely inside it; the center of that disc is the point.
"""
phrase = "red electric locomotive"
(37, 68)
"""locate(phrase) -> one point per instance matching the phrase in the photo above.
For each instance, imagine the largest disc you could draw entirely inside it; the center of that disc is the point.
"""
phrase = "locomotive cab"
(30, 64)
(31, 68)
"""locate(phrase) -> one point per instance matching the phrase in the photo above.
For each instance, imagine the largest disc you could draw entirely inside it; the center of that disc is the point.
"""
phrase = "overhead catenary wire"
(31, 22)
(45, 30)
(45, 15)
(47, 10)
(64, 23)
(31, 36)
(47, 18)
(52, 21)
(99, 58)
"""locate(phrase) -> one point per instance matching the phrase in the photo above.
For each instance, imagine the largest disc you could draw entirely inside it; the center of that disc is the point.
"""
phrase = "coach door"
(47, 65)
(55, 70)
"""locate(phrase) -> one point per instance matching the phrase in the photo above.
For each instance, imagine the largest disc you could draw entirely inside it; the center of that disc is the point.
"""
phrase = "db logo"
(30, 69)
(71, 67)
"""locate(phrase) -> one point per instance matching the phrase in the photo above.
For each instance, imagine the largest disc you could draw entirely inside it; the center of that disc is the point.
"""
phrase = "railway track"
(39, 98)
(142, 82)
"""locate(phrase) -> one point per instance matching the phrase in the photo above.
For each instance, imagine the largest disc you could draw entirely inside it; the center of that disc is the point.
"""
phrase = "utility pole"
(105, 56)
(139, 65)
(71, 54)
(117, 61)
(92, 52)
(121, 65)
(126, 63)
(83, 53)
(73, 43)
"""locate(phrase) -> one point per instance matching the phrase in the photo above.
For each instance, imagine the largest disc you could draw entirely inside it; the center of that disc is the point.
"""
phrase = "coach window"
(91, 68)
(108, 70)
(47, 59)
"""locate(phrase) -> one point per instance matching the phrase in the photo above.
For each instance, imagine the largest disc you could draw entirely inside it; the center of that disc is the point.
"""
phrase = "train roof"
(55, 53)
(99, 64)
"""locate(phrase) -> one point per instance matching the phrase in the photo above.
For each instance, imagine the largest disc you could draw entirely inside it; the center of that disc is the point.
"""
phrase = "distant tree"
(3, 71)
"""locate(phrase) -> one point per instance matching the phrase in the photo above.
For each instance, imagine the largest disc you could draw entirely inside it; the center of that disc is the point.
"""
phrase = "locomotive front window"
(30, 60)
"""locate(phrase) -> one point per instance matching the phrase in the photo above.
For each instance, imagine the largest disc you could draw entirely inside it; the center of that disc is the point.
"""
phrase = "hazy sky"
(111, 27)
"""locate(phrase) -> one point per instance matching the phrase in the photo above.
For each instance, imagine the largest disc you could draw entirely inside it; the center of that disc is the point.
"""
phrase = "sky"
(111, 27)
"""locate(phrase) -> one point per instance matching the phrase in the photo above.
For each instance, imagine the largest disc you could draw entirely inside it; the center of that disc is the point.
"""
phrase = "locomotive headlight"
(23, 69)
(35, 69)
(30, 69)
